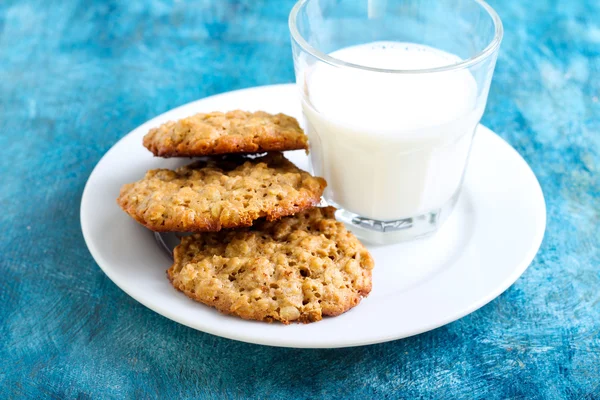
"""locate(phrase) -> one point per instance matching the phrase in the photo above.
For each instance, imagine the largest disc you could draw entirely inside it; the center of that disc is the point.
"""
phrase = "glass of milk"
(391, 92)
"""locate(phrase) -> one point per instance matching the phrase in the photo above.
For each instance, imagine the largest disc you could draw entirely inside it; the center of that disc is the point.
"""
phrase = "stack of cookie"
(261, 249)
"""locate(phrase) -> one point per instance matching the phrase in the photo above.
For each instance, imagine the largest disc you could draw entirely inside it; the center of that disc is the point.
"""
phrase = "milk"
(391, 146)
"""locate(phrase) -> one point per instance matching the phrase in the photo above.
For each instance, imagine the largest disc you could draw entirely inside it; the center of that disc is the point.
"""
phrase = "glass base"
(387, 232)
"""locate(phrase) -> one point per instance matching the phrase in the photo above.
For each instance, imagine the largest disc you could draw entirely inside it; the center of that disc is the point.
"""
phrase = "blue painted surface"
(75, 76)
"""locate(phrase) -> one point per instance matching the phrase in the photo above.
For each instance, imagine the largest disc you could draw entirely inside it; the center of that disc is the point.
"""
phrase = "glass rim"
(492, 46)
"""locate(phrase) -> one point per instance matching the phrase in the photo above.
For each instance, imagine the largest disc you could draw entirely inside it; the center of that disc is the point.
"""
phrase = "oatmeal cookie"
(224, 133)
(222, 192)
(296, 269)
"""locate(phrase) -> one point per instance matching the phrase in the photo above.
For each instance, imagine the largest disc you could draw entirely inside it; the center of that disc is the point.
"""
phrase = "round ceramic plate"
(486, 244)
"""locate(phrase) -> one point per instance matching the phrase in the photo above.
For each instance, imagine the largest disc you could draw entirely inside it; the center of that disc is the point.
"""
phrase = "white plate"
(487, 243)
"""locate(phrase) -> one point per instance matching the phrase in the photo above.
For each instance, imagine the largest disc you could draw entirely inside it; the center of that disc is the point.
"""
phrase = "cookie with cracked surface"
(221, 192)
(298, 268)
(225, 133)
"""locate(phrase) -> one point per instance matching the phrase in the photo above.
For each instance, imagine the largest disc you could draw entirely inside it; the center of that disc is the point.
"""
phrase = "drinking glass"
(392, 92)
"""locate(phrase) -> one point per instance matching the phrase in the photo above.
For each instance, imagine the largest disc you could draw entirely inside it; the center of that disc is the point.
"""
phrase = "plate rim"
(526, 259)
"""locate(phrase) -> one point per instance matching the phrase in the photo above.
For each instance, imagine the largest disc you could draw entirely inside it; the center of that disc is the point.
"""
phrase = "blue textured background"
(76, 75)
